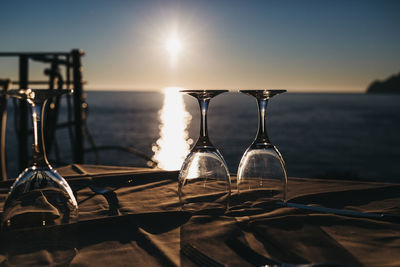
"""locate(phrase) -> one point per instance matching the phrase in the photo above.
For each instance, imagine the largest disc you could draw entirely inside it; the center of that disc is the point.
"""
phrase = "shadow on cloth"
(58, 245)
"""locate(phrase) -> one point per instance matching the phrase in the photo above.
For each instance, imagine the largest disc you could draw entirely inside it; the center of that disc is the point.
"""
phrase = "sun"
(173, 45)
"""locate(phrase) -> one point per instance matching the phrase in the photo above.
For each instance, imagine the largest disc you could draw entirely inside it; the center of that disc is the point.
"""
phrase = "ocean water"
(348, 136)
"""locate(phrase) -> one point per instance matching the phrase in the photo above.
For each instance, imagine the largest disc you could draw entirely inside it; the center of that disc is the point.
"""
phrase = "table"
(134, 220)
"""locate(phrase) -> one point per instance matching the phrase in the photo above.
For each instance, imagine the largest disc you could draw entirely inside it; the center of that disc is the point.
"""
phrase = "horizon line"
(231, 90)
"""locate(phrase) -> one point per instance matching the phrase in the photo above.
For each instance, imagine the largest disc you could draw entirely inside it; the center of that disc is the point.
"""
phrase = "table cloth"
(131, 217)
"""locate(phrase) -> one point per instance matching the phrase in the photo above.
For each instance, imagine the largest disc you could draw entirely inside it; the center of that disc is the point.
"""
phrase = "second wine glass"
(204, 180)
(262, 172)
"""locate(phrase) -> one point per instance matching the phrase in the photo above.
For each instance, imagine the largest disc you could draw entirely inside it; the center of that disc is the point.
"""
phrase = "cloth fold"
(149, 229)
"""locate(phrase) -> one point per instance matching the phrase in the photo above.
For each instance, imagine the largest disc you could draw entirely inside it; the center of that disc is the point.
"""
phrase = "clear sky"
(317, 45)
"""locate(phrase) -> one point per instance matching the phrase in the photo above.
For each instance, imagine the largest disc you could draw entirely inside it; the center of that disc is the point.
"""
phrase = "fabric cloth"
(131, 217)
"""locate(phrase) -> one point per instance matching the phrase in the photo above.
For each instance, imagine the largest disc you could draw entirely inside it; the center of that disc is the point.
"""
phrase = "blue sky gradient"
(299, 45)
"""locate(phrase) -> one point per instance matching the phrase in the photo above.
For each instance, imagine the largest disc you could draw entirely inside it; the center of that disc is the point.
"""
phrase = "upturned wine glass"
(39, 196)
(204, 180)
(262, 169)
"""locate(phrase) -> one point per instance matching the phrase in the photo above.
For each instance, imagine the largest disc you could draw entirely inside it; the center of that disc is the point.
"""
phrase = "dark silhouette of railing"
(76, 106)
(71, 79)
(4, 85)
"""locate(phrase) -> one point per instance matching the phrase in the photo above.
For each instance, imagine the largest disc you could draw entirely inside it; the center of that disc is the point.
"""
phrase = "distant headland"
(389, 86)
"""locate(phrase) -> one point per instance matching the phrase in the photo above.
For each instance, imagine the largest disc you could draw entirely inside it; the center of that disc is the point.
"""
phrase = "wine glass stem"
(203, 139)
(262, 136)
(38, 150)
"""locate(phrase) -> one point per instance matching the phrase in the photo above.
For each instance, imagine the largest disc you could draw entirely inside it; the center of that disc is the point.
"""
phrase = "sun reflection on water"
(174, 143)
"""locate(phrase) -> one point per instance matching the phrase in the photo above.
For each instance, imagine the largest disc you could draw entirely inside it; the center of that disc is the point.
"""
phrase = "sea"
(320, 135)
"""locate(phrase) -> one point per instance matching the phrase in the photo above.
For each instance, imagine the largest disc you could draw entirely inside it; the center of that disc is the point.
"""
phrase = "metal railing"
(71, 78)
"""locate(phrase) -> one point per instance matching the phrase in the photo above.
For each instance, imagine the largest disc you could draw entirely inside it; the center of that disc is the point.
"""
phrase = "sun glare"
(173, 45)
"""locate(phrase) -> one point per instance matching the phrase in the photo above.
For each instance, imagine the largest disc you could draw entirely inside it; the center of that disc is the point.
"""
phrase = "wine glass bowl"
(262, 168)
(204, 179)
(39, 196)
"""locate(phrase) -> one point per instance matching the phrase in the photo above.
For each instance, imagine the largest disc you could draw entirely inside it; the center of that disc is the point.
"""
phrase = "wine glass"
(39, 196)
(204, 180)
(262, 171)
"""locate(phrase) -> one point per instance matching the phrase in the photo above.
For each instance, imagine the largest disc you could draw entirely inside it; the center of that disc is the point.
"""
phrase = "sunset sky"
(296, 45)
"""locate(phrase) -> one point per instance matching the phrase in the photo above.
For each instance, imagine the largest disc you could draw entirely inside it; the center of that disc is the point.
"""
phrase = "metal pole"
(51, 108)
(23, 114)
(79, 101)
(3, 111)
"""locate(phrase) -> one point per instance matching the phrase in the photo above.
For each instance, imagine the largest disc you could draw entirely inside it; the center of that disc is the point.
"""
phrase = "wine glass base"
(263, 93)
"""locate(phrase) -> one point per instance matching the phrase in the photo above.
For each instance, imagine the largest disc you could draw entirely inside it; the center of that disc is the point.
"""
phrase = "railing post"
(23, 114)
(79, 101)
(3, 111)
(52, 109)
